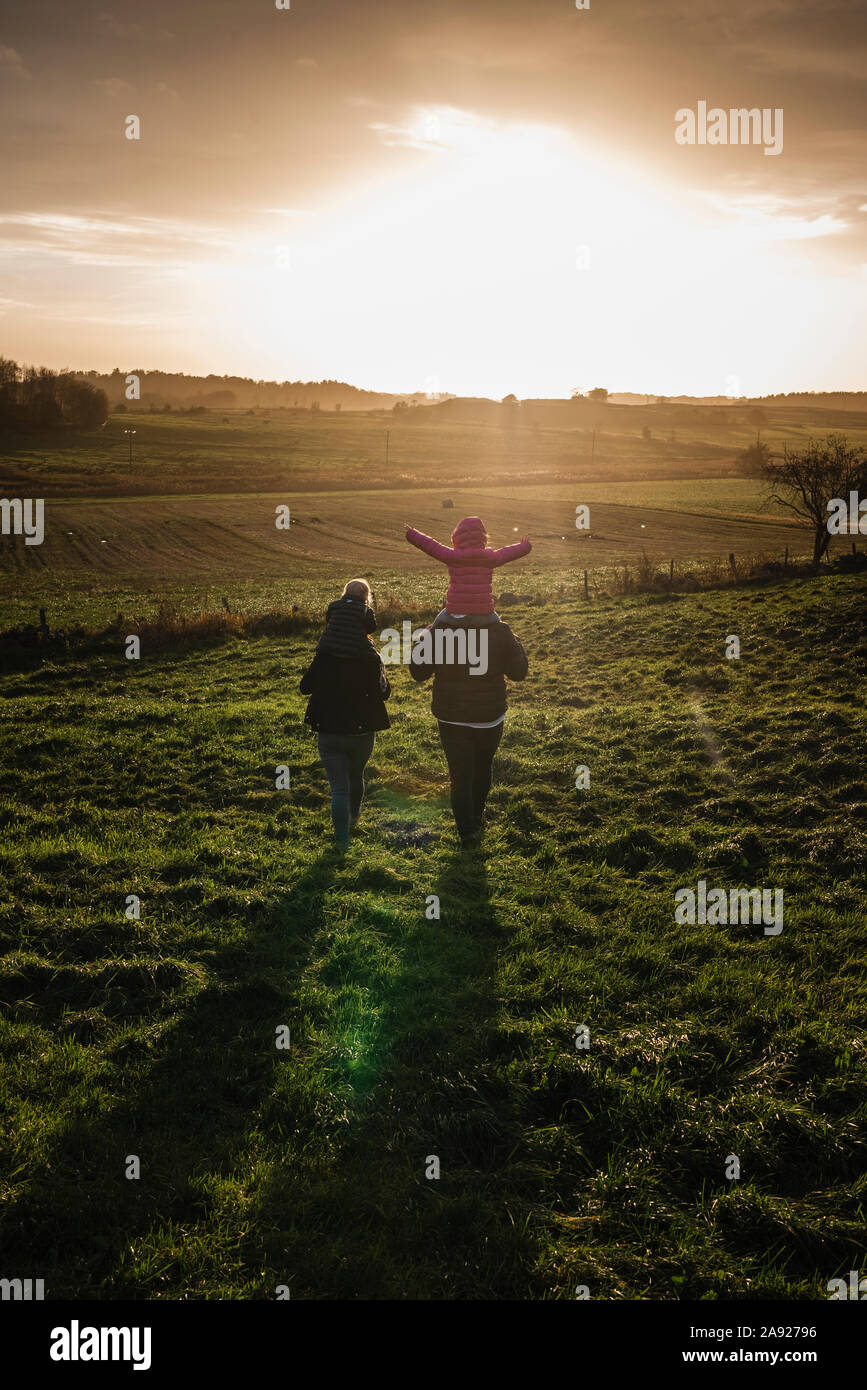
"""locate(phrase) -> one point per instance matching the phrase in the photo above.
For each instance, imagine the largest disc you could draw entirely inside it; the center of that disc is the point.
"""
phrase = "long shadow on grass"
(183, 1107)
(375, 1223)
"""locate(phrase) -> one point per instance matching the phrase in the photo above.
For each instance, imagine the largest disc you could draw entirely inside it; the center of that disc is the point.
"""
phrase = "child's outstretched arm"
(511, 552)
(431, 547)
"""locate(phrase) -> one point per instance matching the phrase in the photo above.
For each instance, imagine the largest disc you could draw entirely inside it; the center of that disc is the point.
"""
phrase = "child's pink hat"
(470, 534)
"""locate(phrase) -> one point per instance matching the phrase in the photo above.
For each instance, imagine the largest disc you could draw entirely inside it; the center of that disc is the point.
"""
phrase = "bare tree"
(805, 481)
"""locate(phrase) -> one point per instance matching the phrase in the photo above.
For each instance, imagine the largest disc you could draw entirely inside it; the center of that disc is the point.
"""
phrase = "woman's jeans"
(344, 757)
(469, 753)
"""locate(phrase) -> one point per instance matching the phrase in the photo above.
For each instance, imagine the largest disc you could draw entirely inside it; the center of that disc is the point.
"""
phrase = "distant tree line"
(181, 392)
(846, 400)
(38, 398)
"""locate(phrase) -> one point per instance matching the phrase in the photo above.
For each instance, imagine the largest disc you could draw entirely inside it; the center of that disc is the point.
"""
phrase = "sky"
(445, 195)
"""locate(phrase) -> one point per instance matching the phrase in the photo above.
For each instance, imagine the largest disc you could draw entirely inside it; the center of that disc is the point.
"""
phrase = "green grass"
(454, 1037)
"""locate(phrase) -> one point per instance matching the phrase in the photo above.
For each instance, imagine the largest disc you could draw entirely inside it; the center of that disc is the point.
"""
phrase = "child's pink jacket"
(471, 564)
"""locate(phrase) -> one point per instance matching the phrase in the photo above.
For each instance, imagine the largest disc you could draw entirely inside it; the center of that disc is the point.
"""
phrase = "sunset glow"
(502, 223)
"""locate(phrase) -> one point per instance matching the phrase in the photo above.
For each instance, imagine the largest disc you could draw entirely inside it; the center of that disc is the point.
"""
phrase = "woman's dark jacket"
(346, 696)
(465, 698)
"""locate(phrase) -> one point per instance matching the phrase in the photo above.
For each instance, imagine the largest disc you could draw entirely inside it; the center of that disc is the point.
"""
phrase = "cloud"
(7, 304)
(114, 87)
(817, 55)
(437, 128)
(475, 141)
(109, 240)
(802, 229)
(12, 62)
(307, 63)
(508, 45)
(120, 29)
(759, 218)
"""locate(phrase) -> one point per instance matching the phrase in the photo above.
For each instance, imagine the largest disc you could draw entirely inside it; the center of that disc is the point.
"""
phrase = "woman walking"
(348, 687)
(469, 703)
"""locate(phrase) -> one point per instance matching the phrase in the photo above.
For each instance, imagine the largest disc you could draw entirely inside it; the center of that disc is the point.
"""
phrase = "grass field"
(242, 452)
(158, 547)
(412, 1037)
(194, 518)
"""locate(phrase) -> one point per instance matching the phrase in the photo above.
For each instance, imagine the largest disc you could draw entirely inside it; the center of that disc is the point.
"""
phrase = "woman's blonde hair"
(358, 588)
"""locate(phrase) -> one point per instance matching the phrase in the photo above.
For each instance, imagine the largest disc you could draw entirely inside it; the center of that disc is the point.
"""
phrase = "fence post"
(671, 572)
(43, 624)
(786, 559)
(226, 605)
(586, 590)
(734, 568)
